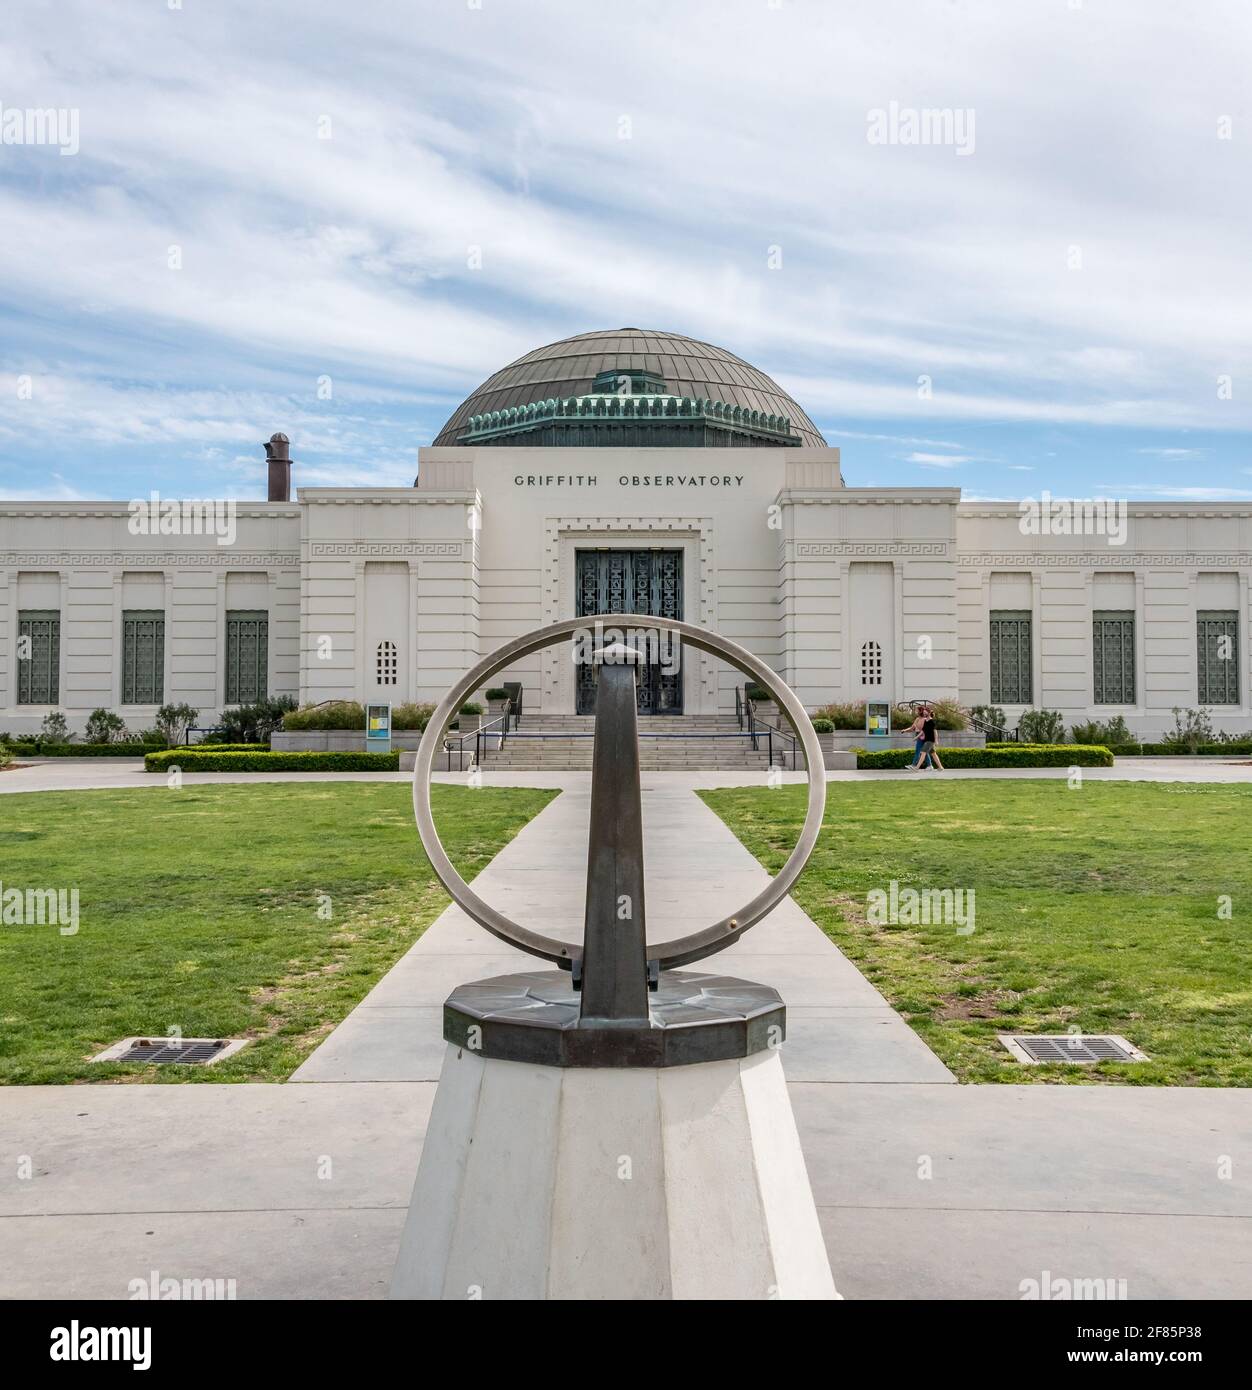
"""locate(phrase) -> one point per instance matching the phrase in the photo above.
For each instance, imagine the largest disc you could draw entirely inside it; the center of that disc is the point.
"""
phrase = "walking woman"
(915, 728)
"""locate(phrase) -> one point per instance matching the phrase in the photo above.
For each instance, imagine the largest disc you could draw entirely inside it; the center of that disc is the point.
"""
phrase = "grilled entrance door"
(632, 581)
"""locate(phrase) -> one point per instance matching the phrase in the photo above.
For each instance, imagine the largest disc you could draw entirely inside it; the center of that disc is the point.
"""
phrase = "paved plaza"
(925, 1188)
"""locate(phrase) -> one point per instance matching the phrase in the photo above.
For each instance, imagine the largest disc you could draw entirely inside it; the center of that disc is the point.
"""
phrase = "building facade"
(617, 472)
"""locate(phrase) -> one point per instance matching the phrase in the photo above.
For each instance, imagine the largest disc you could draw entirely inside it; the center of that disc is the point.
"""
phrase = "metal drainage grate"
(188, 1051)
(1072, 1047)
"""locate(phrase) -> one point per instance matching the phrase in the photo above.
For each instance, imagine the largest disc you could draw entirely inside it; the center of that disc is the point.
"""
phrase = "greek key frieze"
(147, 559)
(1111, 558)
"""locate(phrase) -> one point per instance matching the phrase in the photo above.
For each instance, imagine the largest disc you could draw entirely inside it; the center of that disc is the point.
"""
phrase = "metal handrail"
(460, 741)
(515, 705)
(770, 731)
(994, 732)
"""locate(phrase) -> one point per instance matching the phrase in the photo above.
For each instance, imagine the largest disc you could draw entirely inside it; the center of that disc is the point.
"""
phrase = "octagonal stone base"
(544, 1182)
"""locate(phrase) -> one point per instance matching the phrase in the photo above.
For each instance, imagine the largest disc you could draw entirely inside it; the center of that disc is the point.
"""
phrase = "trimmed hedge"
(262, 760)
(38, 749)
(1240, 747)
(1002, 755)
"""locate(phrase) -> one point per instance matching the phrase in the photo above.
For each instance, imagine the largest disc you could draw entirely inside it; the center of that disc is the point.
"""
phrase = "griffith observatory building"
(621, 471)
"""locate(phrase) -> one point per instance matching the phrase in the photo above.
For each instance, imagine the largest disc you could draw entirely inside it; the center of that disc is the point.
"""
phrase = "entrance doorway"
(632, 581)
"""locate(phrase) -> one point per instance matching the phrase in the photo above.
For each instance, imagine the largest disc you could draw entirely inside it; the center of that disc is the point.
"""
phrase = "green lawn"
(199, 910)
(1096, 908)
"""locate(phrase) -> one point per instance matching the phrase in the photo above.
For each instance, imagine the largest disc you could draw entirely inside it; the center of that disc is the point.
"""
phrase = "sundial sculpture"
(581, 1037)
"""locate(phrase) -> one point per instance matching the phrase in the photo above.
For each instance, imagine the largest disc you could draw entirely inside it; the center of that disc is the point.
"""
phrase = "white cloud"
(939, 460)
(455, 128)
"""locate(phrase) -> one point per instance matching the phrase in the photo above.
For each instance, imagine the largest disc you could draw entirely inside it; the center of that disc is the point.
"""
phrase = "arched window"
(871, 664)
(387, 663)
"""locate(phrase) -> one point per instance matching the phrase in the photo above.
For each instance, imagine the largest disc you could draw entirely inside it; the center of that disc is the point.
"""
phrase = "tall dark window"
(1217, 649)
(38, 658)
(247, 657)
(387, 663)
(143, 658)
(1011, 663)
(1113, 657)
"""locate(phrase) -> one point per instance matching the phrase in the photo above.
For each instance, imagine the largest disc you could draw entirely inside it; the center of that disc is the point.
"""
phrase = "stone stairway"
(722, 747)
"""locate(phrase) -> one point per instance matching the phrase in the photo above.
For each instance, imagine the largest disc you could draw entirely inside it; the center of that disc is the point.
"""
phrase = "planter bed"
(192, 760)
(1005, 755)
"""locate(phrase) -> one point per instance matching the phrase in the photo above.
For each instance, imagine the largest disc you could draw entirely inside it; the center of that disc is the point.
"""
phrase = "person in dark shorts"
(929, 755)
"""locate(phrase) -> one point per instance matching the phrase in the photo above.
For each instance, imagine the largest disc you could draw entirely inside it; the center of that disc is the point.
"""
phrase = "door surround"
(693, 535)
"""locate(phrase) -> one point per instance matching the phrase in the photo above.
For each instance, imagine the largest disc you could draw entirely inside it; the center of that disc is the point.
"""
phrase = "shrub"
(255, 723)
(1115, 731)
(333, 714)
(850, 714)
(998, 755)
(1041, 726)
(6, 757)
(1237, 747)
(173, 721)
(1192, 727)
(469, 707)
(823, 726)
(54, 728)
(263, 760)
(152, 736)
(103, 726)
(497, 693)
(410, 716)
(1109, 733)
(948, 715)
(756, 692)
(40, 749)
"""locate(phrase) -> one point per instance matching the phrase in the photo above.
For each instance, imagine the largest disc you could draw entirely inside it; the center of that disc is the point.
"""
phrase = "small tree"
(255, 723)
(103, 726)
(991, 715)
(54, 729)
(1041, 726)
(173, 721)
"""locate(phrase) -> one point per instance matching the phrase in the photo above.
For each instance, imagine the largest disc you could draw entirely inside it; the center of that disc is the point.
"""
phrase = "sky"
(335, 220)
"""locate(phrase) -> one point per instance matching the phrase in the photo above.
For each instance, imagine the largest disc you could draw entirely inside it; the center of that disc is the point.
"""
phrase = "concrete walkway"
(94, 774)
(840, 1029)
(925, 1189)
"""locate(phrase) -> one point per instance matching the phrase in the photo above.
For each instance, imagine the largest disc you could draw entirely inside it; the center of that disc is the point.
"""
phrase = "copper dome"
(687, 366)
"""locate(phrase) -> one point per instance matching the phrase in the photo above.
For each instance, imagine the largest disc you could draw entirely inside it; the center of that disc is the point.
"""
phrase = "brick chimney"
(277, 450)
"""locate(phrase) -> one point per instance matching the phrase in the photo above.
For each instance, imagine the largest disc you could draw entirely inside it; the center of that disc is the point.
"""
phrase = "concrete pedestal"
(599, 1183)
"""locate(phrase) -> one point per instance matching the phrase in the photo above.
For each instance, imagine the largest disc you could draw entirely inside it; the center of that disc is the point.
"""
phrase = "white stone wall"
(434, 623)
(483, 549)
(540, 506)
(1177, 560)
(85, 555)
(827, 533)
